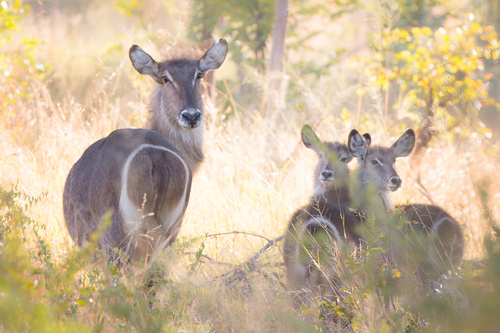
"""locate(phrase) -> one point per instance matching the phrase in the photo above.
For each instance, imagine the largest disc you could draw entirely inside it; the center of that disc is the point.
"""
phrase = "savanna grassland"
(66, 81)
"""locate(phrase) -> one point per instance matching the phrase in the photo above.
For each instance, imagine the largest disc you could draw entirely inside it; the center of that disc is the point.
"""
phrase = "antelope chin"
(393, 188)
(186, 125)
(326, 182)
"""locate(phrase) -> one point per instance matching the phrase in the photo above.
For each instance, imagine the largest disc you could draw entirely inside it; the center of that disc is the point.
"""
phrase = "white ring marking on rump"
(132, 214)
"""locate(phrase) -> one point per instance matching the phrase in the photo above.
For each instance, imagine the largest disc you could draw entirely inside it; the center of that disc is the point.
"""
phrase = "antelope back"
(137, 175)
(315, 239)
(318, 231)
(445, 240)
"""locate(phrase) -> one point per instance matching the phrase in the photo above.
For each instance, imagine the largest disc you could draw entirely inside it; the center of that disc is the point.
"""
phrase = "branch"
(211, 259)
(240, 271)
(238, 233)
(250, 263)
(423, 190)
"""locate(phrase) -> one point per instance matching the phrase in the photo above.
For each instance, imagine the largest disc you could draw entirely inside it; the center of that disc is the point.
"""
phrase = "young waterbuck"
(143, 176)
(376, 172)
(439, 239)
(318, 231)
(445, 247)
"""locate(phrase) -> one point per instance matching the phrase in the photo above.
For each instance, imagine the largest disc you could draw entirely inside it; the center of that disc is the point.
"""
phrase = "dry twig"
(241, 271)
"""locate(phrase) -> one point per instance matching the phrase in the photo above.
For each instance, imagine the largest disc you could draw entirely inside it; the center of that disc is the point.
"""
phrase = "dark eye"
(165, 79)
(200, 75)
(374, 162)
(343, 159)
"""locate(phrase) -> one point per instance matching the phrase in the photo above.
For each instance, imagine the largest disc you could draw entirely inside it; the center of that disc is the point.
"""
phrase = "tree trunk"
(279, 33)
(274, 97)
(424, 135)
(426, 131)
(275, 93)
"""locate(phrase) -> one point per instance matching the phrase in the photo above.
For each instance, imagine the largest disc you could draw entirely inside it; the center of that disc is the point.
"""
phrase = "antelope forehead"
(180, 70)
(384, 155)
(182, 65)
(335, 151)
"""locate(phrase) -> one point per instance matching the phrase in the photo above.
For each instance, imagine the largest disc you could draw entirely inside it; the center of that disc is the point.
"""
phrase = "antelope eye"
(374, 162)
(200, 75)
(165, 79)
(343, 159)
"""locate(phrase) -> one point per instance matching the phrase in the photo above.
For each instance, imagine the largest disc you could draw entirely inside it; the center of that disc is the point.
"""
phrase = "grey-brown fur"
(317, 231)
(179, 94)
(376, 168)
(156, 164)
(94, 183)
(445, 248)
(442, 240)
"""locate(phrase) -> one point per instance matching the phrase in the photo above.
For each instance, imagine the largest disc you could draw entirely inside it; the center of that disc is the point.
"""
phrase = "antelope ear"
(368, 139)
(404, 145)
(143, 62)
(214, 57)
(310, 139)
(357, 145)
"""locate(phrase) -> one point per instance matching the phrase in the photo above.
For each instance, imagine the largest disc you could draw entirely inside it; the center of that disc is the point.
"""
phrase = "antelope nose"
(191, 117)
(396, 181)
(326, 174)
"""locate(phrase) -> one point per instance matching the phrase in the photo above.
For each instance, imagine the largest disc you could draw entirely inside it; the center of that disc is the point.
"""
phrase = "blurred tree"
(246, 22)
(490, 10)
(150, 13)
(275, 95)
(18, 67)
(69, 7)
(421, 13)
(206, 15)
(438, 75)
(489, 14)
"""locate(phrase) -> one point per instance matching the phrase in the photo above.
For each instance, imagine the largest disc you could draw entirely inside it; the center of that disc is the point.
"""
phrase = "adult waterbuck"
(143, 176)
(432, 241)
(318, 232)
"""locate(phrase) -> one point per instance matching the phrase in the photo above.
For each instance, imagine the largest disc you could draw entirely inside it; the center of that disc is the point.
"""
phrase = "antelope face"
(377, 163)
(180, 81)
(331, 169)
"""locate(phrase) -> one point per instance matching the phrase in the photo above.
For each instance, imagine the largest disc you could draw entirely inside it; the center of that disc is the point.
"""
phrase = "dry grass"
(237, 188)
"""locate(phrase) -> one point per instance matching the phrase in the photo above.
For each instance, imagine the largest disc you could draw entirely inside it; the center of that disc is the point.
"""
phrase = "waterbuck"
(438, 237)
(143, 176)
(445, 249)
(318, 231)
(376, 172)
